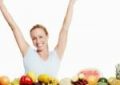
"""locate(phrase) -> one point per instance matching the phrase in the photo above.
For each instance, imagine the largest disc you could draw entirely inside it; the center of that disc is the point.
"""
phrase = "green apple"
(32, 75)
(102, 83)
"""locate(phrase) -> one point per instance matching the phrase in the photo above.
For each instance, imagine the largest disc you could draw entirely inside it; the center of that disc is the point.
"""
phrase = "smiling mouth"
(40, 45)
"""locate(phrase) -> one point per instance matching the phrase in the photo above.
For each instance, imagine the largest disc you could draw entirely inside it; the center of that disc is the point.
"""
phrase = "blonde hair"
(41, 27)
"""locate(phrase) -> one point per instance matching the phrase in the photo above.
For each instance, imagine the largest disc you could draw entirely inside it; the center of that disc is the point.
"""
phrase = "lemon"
(44, 78)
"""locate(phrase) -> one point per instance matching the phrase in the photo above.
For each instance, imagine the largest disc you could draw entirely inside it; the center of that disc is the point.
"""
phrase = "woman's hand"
(62, 41)
(73, 1)
(23, 45)
(1, 1)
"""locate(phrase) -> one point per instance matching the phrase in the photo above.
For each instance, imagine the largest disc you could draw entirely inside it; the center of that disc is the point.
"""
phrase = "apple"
(4, 80)
(26, 80)
(32, 75)
(103, 81)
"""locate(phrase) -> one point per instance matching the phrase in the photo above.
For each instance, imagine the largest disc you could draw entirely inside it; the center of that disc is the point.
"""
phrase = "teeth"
(39, 45)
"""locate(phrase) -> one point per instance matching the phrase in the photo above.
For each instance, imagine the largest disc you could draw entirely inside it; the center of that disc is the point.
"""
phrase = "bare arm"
(23, 46)
(60, 47)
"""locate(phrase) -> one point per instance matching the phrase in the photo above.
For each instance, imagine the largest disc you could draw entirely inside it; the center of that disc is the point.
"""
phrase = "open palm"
(73, 1)
(1, 1)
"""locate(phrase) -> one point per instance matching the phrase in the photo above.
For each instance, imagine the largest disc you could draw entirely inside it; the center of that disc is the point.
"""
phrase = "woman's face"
(39, 39)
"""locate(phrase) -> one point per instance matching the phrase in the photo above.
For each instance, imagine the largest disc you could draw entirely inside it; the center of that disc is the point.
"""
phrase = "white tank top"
(33, 62)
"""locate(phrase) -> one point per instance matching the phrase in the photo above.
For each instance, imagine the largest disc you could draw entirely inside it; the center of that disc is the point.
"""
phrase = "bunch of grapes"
(80, 82)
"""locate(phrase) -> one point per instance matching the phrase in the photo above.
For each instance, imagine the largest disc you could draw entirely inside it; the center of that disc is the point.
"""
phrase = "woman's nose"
(38, 40)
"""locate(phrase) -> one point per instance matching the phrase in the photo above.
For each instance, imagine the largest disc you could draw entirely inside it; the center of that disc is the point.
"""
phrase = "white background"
(93, 39)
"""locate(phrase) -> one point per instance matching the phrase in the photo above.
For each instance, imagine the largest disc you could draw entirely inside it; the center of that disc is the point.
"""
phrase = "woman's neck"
(43, 54)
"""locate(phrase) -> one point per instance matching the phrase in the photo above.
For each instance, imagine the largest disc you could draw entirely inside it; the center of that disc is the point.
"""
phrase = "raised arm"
(60, 47)
(23, 46)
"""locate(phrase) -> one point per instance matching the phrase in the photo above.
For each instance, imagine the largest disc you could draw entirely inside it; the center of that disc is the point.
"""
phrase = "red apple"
(26, 80)
(4, 80)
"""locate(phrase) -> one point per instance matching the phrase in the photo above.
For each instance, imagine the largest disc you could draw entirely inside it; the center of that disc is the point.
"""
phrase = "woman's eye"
(33, 38)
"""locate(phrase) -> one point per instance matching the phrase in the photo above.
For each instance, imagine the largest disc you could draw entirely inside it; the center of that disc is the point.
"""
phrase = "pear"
(15, 81)
(32, 75)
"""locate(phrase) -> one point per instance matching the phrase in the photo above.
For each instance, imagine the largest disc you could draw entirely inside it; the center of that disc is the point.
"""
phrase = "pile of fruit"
(30, 78)
(90, 77)
(84, 77)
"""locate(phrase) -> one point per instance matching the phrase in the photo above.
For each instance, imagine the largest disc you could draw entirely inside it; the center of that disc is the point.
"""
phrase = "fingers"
(1, 1)
(73, 1)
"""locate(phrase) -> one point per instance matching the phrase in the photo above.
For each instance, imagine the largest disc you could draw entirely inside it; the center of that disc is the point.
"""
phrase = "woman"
(40, 60)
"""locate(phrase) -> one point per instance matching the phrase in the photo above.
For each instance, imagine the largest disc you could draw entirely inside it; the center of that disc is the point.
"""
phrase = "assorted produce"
(84, 77)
